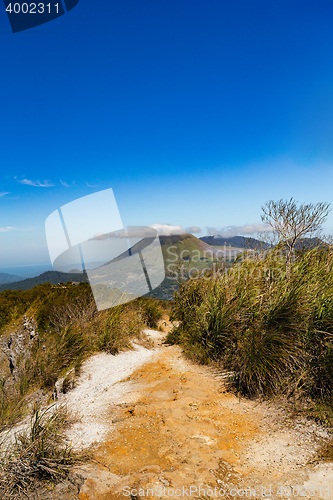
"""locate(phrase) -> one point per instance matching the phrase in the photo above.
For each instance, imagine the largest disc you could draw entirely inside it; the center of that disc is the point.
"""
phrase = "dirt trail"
(184, 431)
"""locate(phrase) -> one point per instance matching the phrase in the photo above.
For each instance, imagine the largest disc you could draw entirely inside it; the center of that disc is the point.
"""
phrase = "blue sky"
(195, 112)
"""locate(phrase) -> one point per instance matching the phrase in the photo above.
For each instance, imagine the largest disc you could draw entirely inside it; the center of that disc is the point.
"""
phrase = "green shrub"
(151, 312)
(70, 329)
(275, 332)
(111, 336)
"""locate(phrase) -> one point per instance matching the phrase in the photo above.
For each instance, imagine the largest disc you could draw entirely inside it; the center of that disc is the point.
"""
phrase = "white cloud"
(65, 184)
(36, 183)
(193, 229)
(145, 232)
(229, 231)
(3, 194)
(10, 228)
(168, 229)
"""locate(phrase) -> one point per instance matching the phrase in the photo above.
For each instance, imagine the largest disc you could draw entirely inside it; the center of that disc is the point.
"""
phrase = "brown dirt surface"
(186, 436)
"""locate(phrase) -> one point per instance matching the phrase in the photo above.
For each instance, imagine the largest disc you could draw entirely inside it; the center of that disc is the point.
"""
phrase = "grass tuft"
(38, 456)
(274, 332)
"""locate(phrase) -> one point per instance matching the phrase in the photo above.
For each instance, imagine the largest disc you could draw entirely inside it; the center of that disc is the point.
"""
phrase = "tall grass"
(151, 311)
(274, 332)
(70, 330)
(66, 343)
(39, 455)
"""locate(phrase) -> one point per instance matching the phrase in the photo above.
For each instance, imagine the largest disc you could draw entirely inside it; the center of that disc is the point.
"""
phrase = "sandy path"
(170, 426)
(99, 388)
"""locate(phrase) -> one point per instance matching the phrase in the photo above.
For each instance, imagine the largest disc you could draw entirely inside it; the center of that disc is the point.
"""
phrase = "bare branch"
(290, 222)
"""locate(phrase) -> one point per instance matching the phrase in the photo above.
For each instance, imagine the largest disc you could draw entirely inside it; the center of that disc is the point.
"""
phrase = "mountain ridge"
(233, 241)
(9, 278)
(53, 277)
(184, 242)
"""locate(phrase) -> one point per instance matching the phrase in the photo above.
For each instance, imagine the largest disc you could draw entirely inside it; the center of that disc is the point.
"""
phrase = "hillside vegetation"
(275, 333)
(45, 335)
(232, 241)
(69, 328)
(174, 248)
(6, 278)
(53, 277)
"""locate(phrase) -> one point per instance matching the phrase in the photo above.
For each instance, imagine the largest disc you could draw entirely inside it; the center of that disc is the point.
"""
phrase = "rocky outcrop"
(15, 350)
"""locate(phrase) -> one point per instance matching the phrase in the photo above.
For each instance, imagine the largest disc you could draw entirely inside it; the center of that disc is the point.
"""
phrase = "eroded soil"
(185, 432)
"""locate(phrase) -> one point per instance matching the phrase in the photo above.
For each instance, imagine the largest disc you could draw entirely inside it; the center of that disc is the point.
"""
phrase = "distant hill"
(310, 243)
(173, 248)
(53, 277)
(233, 241)
(9, 278)
(182, 247)
(243, 242)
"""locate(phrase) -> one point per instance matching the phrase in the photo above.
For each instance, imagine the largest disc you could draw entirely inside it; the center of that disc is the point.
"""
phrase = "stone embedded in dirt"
(194, 460)
(204, 439)
(37, 398)
(117, 419)
(64, 384)
(164, 481)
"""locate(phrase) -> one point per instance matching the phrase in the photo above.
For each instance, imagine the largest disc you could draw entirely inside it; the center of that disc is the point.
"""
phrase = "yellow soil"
(184, 430)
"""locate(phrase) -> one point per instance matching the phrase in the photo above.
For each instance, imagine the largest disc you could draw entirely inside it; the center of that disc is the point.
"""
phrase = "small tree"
(290, 222)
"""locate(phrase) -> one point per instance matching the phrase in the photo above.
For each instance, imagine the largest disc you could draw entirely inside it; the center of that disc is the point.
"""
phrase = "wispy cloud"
(229, 231)
(65, 184)
(3, 194)
(10, 228)
(146, 232)
(91, 185)
(167, 229)
(44, 184)
(193, 229)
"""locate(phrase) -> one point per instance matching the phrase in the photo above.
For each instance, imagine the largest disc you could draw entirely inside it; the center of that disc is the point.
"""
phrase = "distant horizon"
(29, 270)
(33, 270)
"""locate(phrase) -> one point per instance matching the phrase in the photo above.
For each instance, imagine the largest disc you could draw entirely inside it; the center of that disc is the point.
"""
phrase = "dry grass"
(69, 332)
(38, 456)
(70, 329)
(274, 330)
